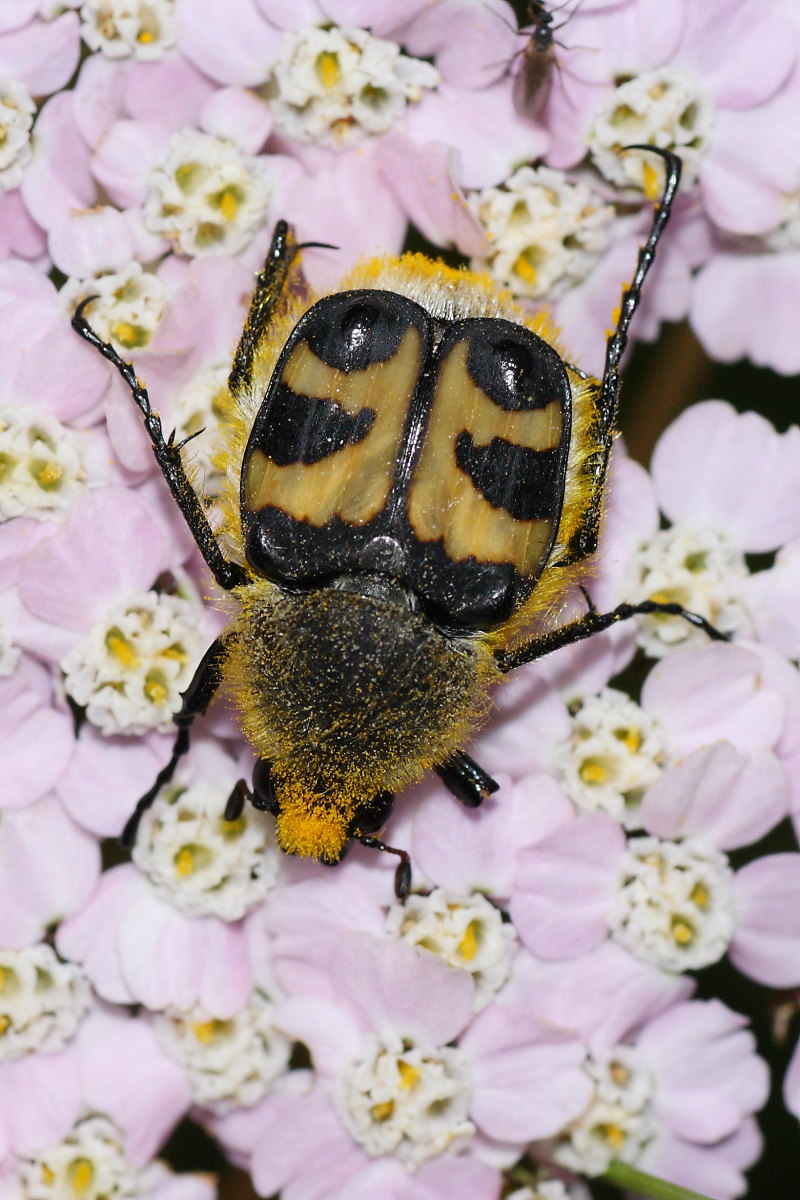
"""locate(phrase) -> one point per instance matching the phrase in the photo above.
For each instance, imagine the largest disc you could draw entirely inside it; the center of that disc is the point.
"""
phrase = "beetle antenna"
(631, 297)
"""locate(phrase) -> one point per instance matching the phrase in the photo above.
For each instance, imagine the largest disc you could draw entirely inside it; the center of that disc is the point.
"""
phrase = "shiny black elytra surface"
(516, 371)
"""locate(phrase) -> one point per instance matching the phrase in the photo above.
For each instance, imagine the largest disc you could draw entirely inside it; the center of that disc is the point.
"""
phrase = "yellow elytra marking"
(353, 482)
(468, 946)
(409, 1076)
(382, 1112)
(443, 503)
(80, 1176)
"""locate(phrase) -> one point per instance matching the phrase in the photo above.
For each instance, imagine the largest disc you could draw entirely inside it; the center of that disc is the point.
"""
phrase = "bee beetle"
(414, 473)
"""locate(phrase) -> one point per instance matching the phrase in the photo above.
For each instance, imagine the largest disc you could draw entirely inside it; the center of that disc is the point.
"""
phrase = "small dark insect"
(532, 81)
(414, 475)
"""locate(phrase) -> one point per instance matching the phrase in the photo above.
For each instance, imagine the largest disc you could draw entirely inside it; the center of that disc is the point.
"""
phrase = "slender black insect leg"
(168, 456)
(468, 782)
(402, 876)
(195, 701)
(594, 622)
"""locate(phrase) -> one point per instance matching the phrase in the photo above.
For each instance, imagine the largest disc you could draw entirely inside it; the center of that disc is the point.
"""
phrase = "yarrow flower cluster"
(531, 1015)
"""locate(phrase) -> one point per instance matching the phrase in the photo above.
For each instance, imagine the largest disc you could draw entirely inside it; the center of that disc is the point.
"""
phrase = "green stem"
(622, 1175)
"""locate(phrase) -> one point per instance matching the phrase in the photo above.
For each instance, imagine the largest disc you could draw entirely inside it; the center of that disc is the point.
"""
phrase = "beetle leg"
(468, 782)
(595, 622)
(168, 456)
(195, 701)
(402, 876)
(270, 282)
(236, 801)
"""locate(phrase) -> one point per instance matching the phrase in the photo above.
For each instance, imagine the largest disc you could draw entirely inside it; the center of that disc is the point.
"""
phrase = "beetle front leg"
(167, 454)
(195, 701)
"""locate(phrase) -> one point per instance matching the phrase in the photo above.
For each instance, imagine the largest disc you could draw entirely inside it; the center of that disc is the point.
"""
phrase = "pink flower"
(697, 468)
(27, 721)
(385, 1035)
(136, 948)
(169, 933)
(461, 100)
(675, 1083)
(679, 78)
(49, 868)
(111, 627)
(720, 321)
(672, 898)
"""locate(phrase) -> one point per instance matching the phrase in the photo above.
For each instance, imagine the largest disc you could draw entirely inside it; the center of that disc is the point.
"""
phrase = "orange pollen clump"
(311, 829)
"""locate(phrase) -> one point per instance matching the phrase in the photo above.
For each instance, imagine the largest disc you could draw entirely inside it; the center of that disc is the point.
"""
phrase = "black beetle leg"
(468, 782)
(402, 876)
(195, 701)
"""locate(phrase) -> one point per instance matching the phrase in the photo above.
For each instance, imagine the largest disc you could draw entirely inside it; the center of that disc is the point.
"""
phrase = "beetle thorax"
(347, 694)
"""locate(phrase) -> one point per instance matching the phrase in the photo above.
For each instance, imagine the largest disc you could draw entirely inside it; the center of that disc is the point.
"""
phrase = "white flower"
(197, 407)
(467, 932)
(207, 197)
(16, 120)
(229, 1064)
(617, 1124)
(614, 752)
(42, 1001)
(663, 108)
(406, 1100)
(698, 568)
(89, 1164)
(41, 470)
(545, 232)
(129, 305)
(341, 86)
(129, 670)
(201, 863)
(675, 905)
(142, 29)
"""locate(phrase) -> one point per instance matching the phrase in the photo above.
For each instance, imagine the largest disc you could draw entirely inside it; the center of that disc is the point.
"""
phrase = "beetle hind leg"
(468, 781)
(402, 876)
(594, 622)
